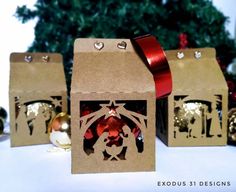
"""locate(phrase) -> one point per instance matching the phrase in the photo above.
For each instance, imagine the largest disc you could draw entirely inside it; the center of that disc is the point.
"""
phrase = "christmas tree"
(176, 24)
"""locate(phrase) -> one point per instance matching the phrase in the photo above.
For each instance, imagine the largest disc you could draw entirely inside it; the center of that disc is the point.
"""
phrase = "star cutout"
(112, 109)
(56, 103)
(179, 103)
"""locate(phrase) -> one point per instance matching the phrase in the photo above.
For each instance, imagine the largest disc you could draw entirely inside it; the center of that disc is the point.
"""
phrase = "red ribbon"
(149, 49)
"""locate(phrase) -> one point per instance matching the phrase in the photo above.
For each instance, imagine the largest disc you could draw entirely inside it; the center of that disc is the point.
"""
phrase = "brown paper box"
(195, 114)
(37, 92)
(112, 109)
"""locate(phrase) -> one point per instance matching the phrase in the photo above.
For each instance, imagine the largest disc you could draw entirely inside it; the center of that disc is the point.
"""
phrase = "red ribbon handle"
(150, 50)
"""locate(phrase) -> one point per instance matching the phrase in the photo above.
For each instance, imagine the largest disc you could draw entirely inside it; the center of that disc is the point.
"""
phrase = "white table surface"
(35, 169)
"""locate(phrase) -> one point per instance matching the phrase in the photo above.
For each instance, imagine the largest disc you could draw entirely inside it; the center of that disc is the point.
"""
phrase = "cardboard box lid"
(194, 74)
(37, 75)
(110, 69)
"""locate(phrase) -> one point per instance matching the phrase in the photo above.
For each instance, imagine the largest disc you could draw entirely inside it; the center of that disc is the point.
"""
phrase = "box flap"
(190, 73)
(37, 75)
(110, 69)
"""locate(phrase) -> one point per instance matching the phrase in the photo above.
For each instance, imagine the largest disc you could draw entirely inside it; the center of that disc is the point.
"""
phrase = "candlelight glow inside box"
(112, 108)
(195, 114)
(37, 92)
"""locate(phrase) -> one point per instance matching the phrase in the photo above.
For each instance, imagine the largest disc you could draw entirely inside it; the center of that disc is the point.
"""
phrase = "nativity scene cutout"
(33, 116)
(197, 118)
(113, 131)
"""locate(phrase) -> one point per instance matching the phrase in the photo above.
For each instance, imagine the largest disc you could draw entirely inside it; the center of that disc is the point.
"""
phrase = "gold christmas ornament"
(59, 131)
(232, 126)
(185, 113)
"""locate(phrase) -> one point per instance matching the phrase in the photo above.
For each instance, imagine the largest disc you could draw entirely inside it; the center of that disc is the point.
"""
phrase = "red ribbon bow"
(153, 55)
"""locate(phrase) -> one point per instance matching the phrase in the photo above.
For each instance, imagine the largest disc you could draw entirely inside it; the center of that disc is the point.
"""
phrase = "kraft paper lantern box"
(112, 108)
(195, 114)
(37, 93)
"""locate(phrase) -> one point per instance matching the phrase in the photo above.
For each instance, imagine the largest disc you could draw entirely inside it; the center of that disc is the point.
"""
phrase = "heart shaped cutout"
(98, 45)
(180, 55)
(28, 58)
(197, 54)
(122, 45)
(45, 58)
